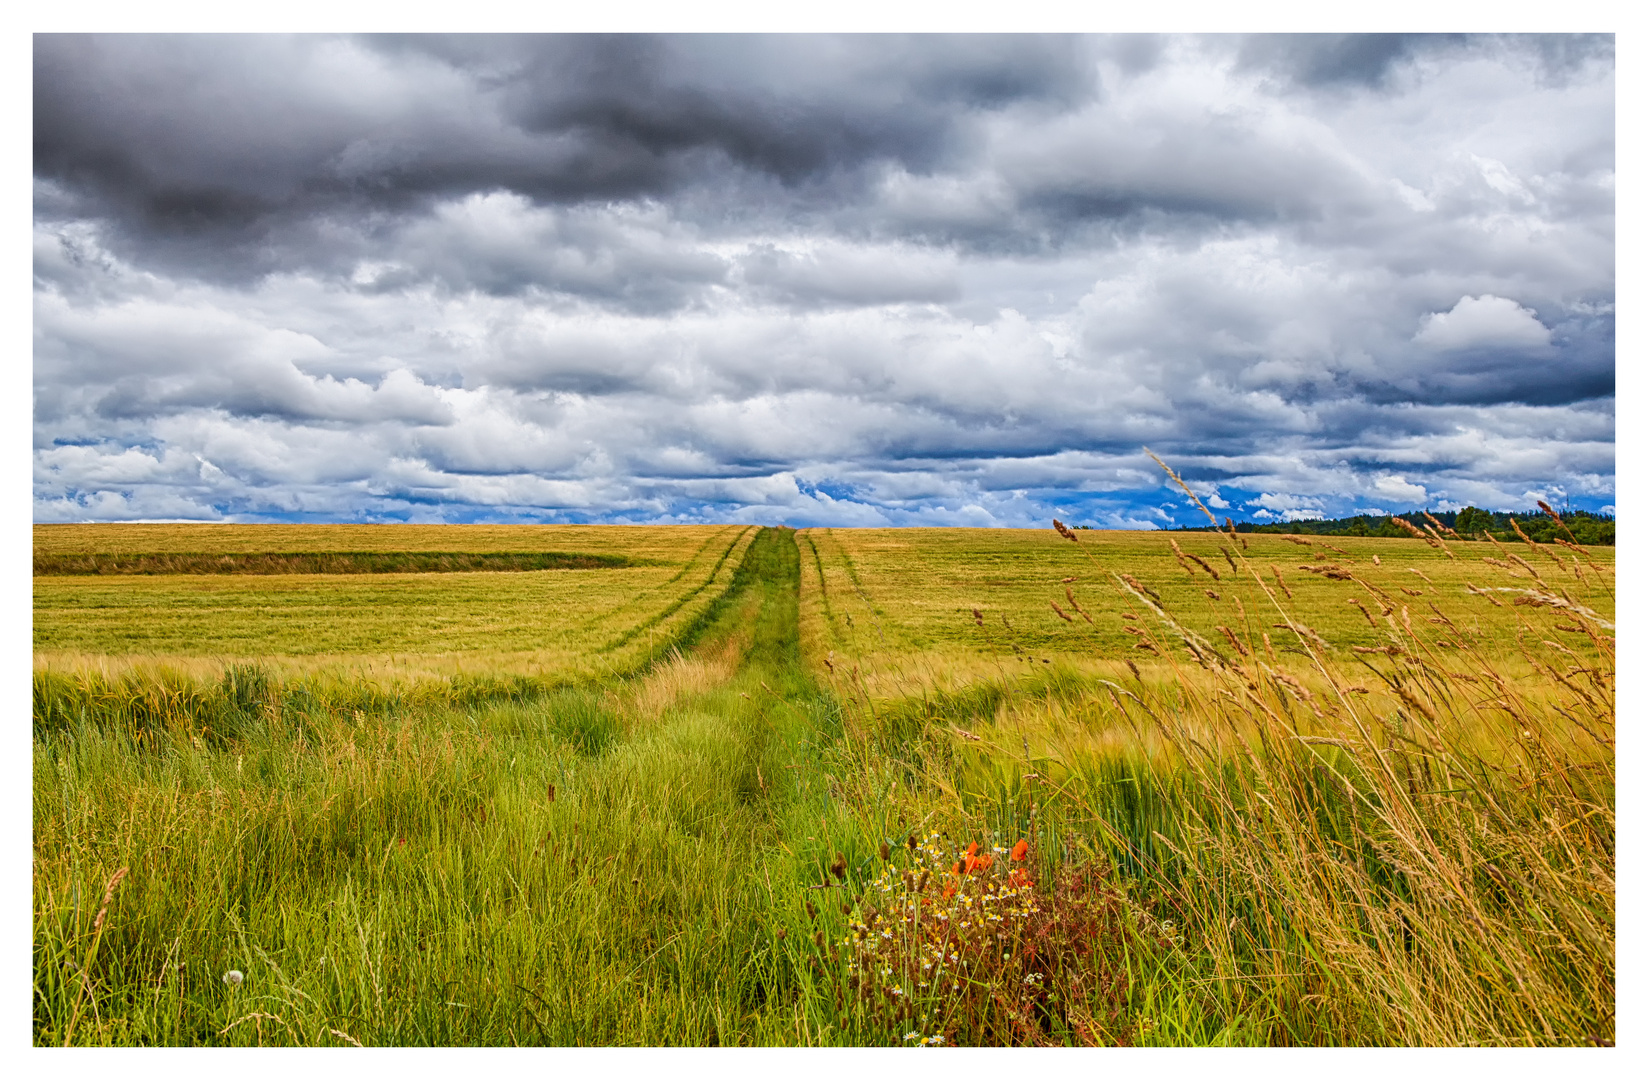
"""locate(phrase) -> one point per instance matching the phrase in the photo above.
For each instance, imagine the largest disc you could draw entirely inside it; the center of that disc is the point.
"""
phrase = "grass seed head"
(108, 895)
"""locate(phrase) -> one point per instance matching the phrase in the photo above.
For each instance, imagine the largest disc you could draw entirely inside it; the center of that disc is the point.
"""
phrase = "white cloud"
(1396, 487)
(1285, 507)
(1483, 322)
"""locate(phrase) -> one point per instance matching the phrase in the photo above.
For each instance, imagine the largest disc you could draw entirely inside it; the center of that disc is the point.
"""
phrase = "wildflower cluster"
(939, 935)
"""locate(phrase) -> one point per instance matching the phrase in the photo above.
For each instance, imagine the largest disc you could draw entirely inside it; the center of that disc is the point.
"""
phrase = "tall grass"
(1405, 844)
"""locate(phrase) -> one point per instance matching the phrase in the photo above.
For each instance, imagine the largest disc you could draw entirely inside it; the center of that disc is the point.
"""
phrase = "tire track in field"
(629, 635)
(858, 586)
(823, 586)
(639, 598)
(714, 789)
(777, 706)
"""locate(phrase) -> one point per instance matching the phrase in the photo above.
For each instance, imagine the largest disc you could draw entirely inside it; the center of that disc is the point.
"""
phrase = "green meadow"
(400, 785)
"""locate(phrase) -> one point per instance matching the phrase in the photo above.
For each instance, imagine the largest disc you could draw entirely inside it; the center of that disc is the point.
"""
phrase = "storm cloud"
(820, 280)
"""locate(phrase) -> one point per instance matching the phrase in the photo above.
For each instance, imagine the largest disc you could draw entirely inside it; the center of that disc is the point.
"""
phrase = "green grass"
(323, 562)
(712, 848)
(663, 543)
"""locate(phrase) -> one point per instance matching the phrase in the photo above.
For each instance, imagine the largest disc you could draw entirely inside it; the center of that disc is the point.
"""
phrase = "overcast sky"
(839, 281)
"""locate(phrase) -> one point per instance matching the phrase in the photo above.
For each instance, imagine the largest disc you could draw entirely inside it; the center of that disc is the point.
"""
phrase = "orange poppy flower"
(1020, 850)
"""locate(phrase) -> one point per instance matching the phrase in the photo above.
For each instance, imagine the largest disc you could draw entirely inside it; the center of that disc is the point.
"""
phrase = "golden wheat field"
(575, 623)
(922, 608)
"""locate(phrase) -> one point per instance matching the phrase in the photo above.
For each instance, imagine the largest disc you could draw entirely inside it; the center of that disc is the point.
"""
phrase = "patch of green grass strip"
(326, 562)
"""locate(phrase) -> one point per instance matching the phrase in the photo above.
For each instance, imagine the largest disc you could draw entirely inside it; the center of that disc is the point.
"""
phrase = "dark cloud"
(1486, 378)
(1563, 56)
(1369, 61)
(1339, 59)
(248, 153)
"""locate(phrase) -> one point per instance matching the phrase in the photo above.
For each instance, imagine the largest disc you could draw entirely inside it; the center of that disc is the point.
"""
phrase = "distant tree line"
(1470, 523)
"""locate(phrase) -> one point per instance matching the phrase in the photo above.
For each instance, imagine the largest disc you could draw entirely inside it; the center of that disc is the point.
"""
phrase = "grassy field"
(567, 624)
(904, 600)
(1378, 801)
(1381, 822)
